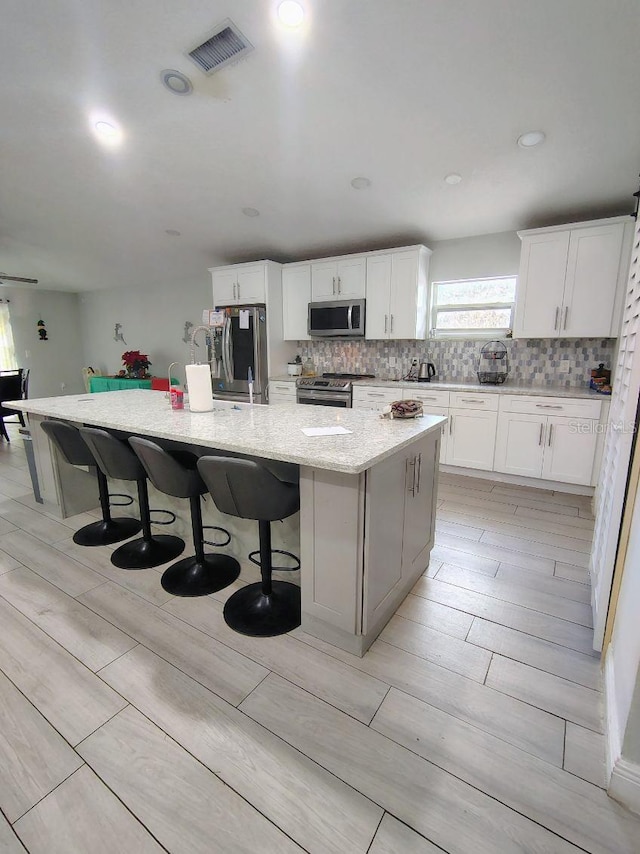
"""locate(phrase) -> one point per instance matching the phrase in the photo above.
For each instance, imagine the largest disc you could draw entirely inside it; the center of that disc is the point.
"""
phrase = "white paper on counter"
(325, 431)
(244, 318)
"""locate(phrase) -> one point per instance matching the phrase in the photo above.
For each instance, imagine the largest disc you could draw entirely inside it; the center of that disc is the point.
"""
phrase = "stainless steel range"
(327, 390)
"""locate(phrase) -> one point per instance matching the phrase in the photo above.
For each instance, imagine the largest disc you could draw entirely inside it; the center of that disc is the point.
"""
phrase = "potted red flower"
(136, 363)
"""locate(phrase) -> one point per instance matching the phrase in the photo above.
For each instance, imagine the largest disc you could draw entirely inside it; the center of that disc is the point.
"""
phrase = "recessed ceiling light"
(250, 212)
(531, 138)
(360, 183)
(106, 131)
(290, 13)
(172, 232)
(176, 82)
(452, 178)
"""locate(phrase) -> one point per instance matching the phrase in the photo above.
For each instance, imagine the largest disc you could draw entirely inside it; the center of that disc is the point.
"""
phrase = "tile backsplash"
(538, 361)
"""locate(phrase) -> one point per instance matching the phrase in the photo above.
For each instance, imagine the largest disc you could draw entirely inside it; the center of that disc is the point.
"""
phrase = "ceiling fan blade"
(18, 279)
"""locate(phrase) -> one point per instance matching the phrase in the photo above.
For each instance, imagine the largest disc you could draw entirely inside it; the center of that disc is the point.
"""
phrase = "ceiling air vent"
(226, 45)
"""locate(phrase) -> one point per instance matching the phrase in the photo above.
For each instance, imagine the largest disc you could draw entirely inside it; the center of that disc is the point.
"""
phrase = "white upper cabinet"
(296, 296)
(242, 284)
(397, 294)
(337, 279)
(569, 280)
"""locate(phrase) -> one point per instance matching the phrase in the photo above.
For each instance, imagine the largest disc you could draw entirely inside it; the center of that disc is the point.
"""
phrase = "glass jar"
(308, 368)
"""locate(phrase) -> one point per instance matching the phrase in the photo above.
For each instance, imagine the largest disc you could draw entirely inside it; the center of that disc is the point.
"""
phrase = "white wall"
(54, 362)
(152, 322)
(471, 257)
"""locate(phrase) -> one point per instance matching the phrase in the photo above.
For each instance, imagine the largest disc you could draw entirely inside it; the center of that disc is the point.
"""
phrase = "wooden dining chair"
(10, 389)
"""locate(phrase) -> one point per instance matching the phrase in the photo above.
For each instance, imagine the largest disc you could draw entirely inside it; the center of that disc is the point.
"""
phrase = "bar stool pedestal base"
(144, 554)
(193, 577)
(252, 612)
(105, 532)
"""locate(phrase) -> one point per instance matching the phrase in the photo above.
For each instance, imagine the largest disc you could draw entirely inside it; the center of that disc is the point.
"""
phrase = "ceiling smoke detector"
(226, 45)
(176, 81)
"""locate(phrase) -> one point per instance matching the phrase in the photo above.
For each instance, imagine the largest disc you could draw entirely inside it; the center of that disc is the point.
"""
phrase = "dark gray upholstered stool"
(251, 490)
(177, 474)
(74, 450)
(117, 460)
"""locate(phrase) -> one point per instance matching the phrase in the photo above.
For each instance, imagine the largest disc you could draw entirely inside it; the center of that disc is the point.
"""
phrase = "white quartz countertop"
(270, 432)
(582, 391)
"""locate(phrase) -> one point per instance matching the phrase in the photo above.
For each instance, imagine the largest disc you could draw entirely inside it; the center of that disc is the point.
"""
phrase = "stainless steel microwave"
(336, 318)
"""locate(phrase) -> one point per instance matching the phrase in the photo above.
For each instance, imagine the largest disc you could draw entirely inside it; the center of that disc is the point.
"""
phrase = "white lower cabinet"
(532, 443)
(472, 438)
(375, 398)
(282, 392)
(434, 402)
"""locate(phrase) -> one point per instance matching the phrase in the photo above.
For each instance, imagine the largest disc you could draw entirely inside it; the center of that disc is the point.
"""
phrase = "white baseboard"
(623, 776)
(624, 786)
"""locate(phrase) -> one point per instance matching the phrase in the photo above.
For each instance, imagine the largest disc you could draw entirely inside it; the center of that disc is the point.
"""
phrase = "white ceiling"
(400, 91)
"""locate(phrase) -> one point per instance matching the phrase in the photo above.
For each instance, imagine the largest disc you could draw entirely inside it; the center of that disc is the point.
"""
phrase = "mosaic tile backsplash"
(540, 362)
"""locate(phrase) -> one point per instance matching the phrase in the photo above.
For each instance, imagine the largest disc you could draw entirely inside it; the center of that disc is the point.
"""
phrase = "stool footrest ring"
(216, 528)
(128, 499)
(294, 558)
(158, 521)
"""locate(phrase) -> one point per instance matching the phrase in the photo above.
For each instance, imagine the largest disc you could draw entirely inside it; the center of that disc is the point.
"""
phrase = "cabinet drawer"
(532, 405)
(425, 395)
(283, 388)
(386, 394)
(474, 400)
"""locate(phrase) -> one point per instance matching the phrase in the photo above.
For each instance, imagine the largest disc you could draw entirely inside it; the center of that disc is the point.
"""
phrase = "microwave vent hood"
(337, 319)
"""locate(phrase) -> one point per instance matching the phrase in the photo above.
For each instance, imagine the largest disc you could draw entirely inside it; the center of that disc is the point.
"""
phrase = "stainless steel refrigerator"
(240, 345)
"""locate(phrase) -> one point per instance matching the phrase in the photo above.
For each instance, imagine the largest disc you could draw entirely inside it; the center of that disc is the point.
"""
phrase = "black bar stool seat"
(177, 474)
(74, 450)
(250, 490)
(117, 460)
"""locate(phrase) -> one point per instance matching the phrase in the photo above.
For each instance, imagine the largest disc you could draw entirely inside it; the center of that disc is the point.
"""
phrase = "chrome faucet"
(207, 331)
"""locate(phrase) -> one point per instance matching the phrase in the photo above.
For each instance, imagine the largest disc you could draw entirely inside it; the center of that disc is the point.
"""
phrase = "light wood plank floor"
(132, 721)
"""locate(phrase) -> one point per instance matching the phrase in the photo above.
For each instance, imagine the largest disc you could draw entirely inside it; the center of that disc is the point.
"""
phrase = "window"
(7, 351)
(473, 308)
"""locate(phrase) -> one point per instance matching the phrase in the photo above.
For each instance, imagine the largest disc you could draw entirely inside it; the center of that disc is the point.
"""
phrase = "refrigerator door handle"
(226, 350)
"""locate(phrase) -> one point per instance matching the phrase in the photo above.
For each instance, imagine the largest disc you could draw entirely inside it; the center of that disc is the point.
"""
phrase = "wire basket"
(493, 363)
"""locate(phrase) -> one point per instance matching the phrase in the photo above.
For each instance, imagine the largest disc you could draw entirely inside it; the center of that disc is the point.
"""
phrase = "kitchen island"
(367, 496)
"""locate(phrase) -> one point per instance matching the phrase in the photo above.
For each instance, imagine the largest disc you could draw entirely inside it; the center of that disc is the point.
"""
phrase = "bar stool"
(251, 490)
(117, 460)
(72, 448)
(176, 474)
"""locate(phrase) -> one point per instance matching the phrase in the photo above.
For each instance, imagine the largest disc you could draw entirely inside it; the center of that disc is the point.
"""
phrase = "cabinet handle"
(333, 291)
(548, 406)
(234, 290)
(555, 323)
(471, 400)
(550, 433)
(386, 322)
(391, 330)
(566, 315)
(339, 284)
(411, 464)
(450, 424)
(540, 440)
(419, 473)
(376, 394)
(238, 290)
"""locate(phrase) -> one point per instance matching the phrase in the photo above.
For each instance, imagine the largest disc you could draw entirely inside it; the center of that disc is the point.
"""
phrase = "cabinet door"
(543, 266)
(224, 287)
(351, 278)
(250, 284)
(324, 285)
(570, 449)
(378, 290)
(408, 305)
(472, 438)
(296, 296)
(592, 281)
(436, 410)
(520, 444)
(419, 510)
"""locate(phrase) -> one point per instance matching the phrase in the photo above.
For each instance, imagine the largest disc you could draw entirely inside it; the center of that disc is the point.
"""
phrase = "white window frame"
(489, 333)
